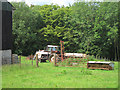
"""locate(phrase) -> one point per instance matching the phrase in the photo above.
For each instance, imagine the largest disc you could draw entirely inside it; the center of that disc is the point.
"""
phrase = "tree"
(26, 23)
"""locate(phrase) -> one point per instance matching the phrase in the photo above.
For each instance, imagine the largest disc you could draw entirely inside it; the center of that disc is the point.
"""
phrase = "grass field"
(49, 76)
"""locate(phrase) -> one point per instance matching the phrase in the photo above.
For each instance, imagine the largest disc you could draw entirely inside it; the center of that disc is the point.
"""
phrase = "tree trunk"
(118, 50)
(115, 51)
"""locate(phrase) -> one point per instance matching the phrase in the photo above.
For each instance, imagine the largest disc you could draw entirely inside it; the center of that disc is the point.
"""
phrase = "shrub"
(91, 58)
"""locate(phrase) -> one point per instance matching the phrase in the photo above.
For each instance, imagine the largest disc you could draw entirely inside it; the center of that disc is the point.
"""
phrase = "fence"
(21, 60)
(70, 61)
(102, 58)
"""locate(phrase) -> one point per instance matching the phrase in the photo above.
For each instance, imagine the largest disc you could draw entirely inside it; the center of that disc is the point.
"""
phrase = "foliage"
(26, 22)
(91, 58)
(85, 27)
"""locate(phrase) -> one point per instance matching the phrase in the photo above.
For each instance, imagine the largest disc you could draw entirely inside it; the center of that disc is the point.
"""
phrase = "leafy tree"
(85, 27)
(26, 22)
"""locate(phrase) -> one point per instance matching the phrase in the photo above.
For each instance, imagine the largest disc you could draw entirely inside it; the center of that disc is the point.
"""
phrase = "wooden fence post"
(12, 59)
(20, 60)
(32, 61)
(37, 60)
(55, 59)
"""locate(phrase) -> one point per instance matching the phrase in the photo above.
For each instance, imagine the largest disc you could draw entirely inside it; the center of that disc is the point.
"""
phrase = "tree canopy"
(85, 27)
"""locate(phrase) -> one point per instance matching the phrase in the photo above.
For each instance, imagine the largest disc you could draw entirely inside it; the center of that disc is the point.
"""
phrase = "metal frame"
(62, 49)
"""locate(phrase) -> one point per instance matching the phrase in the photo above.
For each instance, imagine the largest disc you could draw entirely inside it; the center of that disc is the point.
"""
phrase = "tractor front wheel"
(51, 59)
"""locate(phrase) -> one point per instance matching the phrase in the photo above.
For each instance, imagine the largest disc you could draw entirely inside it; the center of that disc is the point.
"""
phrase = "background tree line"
(90, 28)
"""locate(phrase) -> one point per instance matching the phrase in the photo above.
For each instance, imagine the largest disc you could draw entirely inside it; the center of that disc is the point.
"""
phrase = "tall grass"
(49, 76)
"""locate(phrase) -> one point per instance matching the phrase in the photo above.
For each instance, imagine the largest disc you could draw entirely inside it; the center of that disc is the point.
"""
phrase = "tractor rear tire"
(52, 58)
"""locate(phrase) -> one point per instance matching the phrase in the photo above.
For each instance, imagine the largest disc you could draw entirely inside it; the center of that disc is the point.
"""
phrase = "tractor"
(58, 51)
(48, 53)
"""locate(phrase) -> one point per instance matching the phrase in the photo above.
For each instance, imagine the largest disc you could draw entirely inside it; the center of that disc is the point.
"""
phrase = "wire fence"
(27, 61)
(68, 61)
(71, 61)
(59, 60)
(103, 58)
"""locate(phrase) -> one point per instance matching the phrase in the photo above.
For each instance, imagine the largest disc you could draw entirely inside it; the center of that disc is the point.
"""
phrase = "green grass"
(49, 76)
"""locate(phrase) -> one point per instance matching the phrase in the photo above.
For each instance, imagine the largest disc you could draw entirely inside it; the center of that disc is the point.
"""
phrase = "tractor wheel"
(52, 59)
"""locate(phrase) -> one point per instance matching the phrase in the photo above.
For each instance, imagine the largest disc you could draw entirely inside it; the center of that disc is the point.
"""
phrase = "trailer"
(100, 65)
(79, 55)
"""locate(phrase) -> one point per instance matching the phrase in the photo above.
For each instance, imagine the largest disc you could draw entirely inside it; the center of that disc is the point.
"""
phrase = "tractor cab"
(53, 48)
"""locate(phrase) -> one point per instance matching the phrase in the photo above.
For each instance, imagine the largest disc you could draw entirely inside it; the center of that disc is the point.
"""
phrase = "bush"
(91, 58)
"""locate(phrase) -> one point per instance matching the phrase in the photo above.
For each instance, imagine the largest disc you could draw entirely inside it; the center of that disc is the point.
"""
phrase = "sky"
(59, 2)
(42, 2)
